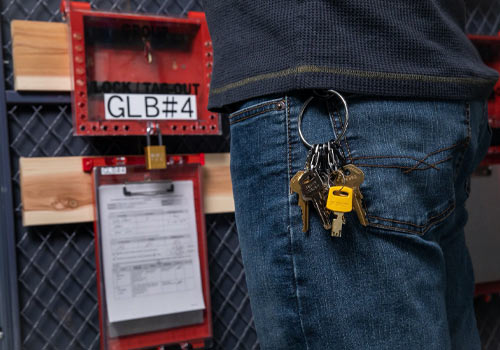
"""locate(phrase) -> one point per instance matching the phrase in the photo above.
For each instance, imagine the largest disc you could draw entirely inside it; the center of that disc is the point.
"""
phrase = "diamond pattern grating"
(483, 16)
(56, 270)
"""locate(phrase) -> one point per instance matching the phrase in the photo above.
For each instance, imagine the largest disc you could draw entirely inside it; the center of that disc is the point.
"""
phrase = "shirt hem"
(351, 81)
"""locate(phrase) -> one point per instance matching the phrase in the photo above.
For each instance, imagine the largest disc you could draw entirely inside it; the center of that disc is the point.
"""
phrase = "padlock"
(156, 156)
(339, 199)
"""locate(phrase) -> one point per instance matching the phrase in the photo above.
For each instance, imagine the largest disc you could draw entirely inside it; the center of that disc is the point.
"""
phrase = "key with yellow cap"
(353, 178)
(339, 201)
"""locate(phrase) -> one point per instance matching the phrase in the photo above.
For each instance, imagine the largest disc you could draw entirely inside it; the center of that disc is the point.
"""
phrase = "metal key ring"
(344, 127)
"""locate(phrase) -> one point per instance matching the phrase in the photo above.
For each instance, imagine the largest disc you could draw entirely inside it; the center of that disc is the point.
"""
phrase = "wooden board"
(40, 55)
(217, 187)
(57, 191)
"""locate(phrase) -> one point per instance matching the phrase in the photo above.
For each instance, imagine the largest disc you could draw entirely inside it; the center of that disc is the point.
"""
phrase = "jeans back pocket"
(412, 153)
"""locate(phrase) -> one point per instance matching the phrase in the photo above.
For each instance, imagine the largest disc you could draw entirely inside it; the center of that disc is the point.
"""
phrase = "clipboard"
(151, 253)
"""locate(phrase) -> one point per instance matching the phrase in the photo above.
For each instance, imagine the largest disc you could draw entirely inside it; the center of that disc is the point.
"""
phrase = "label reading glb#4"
(150, 107)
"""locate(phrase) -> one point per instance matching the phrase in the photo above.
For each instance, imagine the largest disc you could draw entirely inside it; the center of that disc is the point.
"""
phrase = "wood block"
(217, 187)
(40, 56)
(57, 191)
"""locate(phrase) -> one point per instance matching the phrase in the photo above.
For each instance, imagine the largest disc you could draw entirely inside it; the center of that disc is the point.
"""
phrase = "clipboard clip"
(168, 189)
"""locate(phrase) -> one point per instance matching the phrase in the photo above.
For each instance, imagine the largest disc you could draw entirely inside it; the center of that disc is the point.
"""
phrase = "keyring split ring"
(344, 127)
(343, 180)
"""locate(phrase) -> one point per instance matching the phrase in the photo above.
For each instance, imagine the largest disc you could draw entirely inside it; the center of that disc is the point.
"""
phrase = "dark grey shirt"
(408, 48)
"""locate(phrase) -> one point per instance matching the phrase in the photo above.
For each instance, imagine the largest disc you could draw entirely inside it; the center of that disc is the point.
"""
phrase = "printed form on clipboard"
(150, 251)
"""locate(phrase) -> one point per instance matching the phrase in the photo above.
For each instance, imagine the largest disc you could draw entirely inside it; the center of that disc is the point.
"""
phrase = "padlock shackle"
(150, 130)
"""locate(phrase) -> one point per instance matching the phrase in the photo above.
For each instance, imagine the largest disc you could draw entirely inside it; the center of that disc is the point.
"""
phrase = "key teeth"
(336, 234)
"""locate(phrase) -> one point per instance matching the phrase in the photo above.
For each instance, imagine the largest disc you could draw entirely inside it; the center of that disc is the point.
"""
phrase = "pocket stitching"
(449, 148)
(250, 109)
(250, 116)
(429, 166)
(288, 102)
(430, 222)
(419, 161)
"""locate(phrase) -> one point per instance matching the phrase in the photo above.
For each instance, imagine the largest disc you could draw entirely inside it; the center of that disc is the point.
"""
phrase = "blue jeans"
(403, 282)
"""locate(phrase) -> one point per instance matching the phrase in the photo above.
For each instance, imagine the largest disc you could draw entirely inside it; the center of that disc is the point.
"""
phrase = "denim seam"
(433, 165)
(231, 122)
(348, 149)
(401, 166)
(334, 124)
(251, 108)
(431, 222)
(419, 161)
(388, 157)
(437, 152)
(467, 139)
(295, 279)
(345, 141)
(288, 101)
(411, 224)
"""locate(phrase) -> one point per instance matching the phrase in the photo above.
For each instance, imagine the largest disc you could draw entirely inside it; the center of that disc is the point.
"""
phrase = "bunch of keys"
(331, 185)
(327, 181)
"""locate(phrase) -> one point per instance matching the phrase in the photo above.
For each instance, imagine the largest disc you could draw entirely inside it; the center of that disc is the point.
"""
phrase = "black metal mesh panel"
(56, 266)
(488, 312)
(483, 17)
(233, 323)
(57, 286)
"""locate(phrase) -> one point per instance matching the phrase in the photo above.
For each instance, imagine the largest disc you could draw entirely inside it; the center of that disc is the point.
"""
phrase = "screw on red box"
(129, 69)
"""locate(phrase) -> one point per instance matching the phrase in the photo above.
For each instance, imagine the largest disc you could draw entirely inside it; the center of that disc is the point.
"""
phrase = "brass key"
(337, 224)
(313, 189)
(354, 180)
(304, 205)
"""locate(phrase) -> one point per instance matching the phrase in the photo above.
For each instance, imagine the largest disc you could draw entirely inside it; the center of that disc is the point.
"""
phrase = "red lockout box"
(130, 70)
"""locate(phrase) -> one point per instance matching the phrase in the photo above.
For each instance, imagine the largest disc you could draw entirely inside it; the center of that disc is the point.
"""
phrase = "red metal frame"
(493, 156)
(125, 64)
(181, 167)
(88, 163)
(487, 288)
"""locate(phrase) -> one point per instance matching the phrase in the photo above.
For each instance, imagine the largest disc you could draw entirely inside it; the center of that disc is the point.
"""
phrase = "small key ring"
(344, 127)
(315, 157)
(343, 181)
(343, 178)
(332, 163)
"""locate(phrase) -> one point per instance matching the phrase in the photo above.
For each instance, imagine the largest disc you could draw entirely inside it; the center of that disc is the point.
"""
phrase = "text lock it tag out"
(339, 199)
(156, 156)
